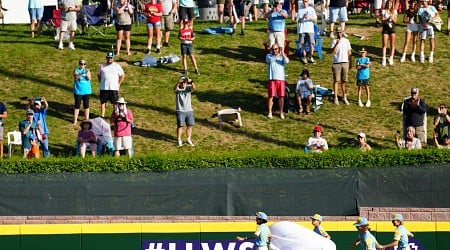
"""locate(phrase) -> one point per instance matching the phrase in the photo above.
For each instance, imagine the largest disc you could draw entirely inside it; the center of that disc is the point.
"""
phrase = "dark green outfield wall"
(131, 236)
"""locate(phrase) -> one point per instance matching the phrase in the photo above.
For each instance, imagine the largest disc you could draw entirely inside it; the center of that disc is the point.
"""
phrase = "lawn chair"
(318, 40)
(229, 115)
(46, 24)
(56, 22)
(319, 94)
(14, 138)
(96, 16)
(102, 130)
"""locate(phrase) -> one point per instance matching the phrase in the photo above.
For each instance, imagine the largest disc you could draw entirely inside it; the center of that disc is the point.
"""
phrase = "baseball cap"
(261, 215)
(339, 30)
(317, 128)
(30, 111)
(109, 54)
(32, 137)
(397, 217)
(361, 221)
(362, 50)
(414, 90)
(362, 135)
(316, 217)
(37, 102)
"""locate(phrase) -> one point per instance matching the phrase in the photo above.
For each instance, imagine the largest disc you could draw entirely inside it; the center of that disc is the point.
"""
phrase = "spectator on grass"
(40, 108)
(293, 6)
(426, 13)
(412, 28)
(389, 17)
(378, 5)
(69, 9)
(28, 128)
(3, 115)
(239, 9)
(277, 24)
(316, 143)
(363, 76)
(124, 12)
(36, 11)
(122, 118)
(186, 11)
(184, 111)
(441, 122)
(262, 233)
(187, 36)
(306, 18)
(110, 76)
(87, 138)
(342, 56)
(170, 8)
(365, 239)
(337, 10)
(82, 89)
(276, 85)
(316, 220)
(448, 18)
(303, 91)
(362, 143)
(445, 141)
(410, 141)
(414, 109)
(401, 234)
(153, 11)
(34, 150)
(220, 10)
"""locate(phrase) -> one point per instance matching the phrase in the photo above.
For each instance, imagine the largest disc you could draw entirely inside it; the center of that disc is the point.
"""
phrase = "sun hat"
(121, 100)
(86, 121)
(316, 217)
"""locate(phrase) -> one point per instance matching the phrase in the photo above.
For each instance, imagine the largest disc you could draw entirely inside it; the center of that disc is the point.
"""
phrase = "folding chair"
(56, 22)
(14, 138)
(318, 40)
(229, 115)
(95, 16)
(46, 23)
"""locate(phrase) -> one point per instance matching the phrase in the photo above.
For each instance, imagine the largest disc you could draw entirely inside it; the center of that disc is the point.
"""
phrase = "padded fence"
(225, 191)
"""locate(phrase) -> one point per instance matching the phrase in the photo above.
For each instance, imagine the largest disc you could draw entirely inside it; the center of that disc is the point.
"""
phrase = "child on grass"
(187, 36)
(362, 76)
(34, 151)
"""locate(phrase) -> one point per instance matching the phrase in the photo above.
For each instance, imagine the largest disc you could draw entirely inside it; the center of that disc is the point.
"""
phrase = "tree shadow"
(241, 53)
(250, 102)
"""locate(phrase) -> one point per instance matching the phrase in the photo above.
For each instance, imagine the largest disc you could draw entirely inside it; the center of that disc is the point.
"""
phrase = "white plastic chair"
(225, 115)
(14, 138)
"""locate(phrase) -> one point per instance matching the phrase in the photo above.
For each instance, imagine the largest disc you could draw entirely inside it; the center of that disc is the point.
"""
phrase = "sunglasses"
(82, 63)
(275, 49)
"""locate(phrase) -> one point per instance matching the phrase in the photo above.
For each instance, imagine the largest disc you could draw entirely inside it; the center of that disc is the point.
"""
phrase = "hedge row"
(264, 159)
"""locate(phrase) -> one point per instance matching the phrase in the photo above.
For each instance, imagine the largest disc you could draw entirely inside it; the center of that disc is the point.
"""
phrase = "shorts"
(25, 152)
(154, 25)
(167, 22)
(278, 37)
(123, 27)
(420, 133)
(362, 83)
(424, 33)
(109, 95)
(36, 13)
(122, 142)
(185, 12)
(221, 2)
(340, 72)
(412, 27)
(68, 26)
(185, 118)
(187, 49)
(338, 12)
(388, 30)
(78, 99)
(1, 132)
(239, 7)
(306, 37)
(276, 88)
(377, 4)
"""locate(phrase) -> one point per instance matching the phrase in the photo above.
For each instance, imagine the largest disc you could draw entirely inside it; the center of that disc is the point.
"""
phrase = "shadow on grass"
(241, 53)
(250, 102)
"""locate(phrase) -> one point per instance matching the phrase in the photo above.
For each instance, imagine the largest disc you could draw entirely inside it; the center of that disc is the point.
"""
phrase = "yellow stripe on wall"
(112, 228)
(50, 229)
(170, 227)
(9, 229)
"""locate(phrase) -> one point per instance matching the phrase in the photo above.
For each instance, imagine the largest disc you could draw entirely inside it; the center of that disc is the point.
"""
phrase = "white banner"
(18, 10)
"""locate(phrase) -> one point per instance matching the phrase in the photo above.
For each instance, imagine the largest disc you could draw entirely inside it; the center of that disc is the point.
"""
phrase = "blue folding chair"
(318, 40)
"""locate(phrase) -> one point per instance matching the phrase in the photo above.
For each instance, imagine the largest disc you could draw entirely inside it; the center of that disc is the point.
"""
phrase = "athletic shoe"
(413, 58)
(61, 46)
(304, 61)
(269, 116)
(403, 59)
(158, 51)
(368, 103)
(282, 116)
(391, 60)
(180, 143)
(422, 59)
(189, 142)
(430, 59)
(336, 101)
(71, 46)
(360, 103)
(312, 60)
(383, 61)
(331, 35)
(346, 101)
(167, 45)
(197, 72)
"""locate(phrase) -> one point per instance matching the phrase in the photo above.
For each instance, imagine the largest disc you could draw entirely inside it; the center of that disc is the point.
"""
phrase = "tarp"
(18, 10)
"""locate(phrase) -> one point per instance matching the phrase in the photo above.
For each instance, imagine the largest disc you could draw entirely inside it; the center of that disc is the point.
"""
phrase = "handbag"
(437, 23)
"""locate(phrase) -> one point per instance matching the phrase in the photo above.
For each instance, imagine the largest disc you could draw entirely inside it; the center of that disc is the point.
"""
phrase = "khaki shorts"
(167, 22)
(122, 142)
(68, 26)
(278, 37)
(340, 72)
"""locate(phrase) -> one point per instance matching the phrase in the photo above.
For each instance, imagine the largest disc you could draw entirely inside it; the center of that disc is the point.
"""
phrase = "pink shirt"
(121, 127)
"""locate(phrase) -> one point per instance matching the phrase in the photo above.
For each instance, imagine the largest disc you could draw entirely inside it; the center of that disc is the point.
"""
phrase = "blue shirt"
(276, 21)
(263, 234)
(276, 67)
(401, 234)
(41, 115)
(367, 241)
(25, 137)
(82, 86)
(363, 73)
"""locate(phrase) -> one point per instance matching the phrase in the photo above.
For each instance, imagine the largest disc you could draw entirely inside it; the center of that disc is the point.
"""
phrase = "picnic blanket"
(218, 30)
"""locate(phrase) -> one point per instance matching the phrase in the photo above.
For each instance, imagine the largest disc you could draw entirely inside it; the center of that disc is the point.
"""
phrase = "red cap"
(317, 128)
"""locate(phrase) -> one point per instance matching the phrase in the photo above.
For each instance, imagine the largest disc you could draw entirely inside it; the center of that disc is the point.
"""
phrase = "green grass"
(233, 74)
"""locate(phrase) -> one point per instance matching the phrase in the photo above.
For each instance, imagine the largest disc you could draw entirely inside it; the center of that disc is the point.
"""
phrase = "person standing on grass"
(239, 8)
(365, 239)
(36, 11)
(276, 85)
(337, 10)
(187, 36)
(40, 108)
(277, 25)
(306, 18)
(82, 89)
(186, 11)
(124, 12)
(122, 118)
(110, 75)
(69, 9)
(167, 24)
(184, 111)
(153, 11)
(414, 109)
(262, 233)
(412, 28)
(389, 17)
(401, 234)
(3, 115)
(426, 13)
(342, 56)
(28, 128)
(362, 76)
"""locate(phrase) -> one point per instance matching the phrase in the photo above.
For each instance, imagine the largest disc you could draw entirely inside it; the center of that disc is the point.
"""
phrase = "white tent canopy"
(18, 10)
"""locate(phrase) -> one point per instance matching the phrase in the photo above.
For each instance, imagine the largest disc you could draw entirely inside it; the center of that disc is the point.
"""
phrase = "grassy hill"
(233, 74)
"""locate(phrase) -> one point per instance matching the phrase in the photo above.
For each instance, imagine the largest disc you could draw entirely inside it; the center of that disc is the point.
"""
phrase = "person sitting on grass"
(304, 91)
(445, 141)
(34, 151)
(362, 143)
(316, 143)
(410, 141)
(87, 138)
